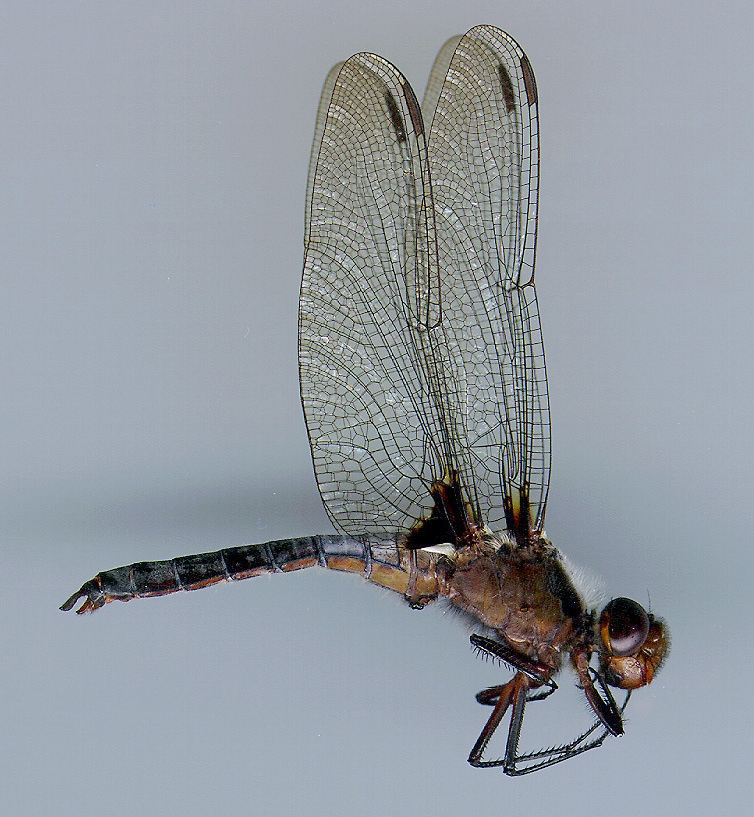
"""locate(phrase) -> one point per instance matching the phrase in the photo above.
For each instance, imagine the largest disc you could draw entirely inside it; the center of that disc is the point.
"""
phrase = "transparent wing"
(417, 356)
(367, 299)
(481, 100)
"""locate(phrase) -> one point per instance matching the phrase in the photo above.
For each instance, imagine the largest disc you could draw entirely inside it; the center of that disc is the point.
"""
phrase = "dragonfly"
(424, 388)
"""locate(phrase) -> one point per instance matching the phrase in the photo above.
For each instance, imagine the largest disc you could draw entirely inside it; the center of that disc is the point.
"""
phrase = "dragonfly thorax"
(525, 598)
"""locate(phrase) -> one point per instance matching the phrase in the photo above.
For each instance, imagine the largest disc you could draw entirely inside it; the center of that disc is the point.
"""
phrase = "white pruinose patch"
(444, 549)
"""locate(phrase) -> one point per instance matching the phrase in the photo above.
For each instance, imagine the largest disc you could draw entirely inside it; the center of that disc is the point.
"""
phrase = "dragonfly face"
(424, 388)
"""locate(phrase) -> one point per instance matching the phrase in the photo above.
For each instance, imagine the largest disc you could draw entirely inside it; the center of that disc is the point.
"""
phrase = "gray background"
(154, 159)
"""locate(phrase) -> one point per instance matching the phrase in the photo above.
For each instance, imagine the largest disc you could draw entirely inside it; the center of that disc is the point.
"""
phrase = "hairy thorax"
(523, 594)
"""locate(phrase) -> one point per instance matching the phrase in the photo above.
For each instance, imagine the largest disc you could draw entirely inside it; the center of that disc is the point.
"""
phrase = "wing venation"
(421, 357)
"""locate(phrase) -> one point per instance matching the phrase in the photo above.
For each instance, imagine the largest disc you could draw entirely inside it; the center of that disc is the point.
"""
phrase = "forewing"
(481, 101)
(368, 295)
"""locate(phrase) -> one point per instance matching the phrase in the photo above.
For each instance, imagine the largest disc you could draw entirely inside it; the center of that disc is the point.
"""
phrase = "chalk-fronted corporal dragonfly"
(424, 388)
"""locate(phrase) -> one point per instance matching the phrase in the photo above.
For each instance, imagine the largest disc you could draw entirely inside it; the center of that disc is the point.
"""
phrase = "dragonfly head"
(633, 644)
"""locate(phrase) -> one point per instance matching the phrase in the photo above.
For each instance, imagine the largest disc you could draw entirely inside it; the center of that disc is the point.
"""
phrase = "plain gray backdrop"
(154, 160)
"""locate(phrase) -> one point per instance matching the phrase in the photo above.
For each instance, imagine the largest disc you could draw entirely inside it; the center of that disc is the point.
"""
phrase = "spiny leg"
(515, 692)
(549, 757)
(529, 676)
(534, 760)
(505, 694)
(538, 673)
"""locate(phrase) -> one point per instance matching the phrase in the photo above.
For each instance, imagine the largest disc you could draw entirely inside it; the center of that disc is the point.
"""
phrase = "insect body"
(424, 387)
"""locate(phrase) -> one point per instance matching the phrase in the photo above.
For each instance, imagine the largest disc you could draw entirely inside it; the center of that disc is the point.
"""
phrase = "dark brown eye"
(624, 626)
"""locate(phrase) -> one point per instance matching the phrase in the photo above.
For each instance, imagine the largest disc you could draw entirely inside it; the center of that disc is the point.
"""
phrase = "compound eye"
(624, 626)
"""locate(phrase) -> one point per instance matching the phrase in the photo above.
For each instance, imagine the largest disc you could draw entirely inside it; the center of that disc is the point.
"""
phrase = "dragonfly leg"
(515, 691)
(549, 757)
(539, 674)
(489, 696)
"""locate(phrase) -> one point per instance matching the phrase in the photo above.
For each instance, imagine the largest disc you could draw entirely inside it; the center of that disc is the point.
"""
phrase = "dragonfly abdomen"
(377, 561)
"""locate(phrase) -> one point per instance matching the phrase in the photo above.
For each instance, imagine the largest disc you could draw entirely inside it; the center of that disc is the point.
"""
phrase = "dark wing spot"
(529, 81)
(395, 116)
(507, 85)
(450, 520)
(414, 109)
(518, 517)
